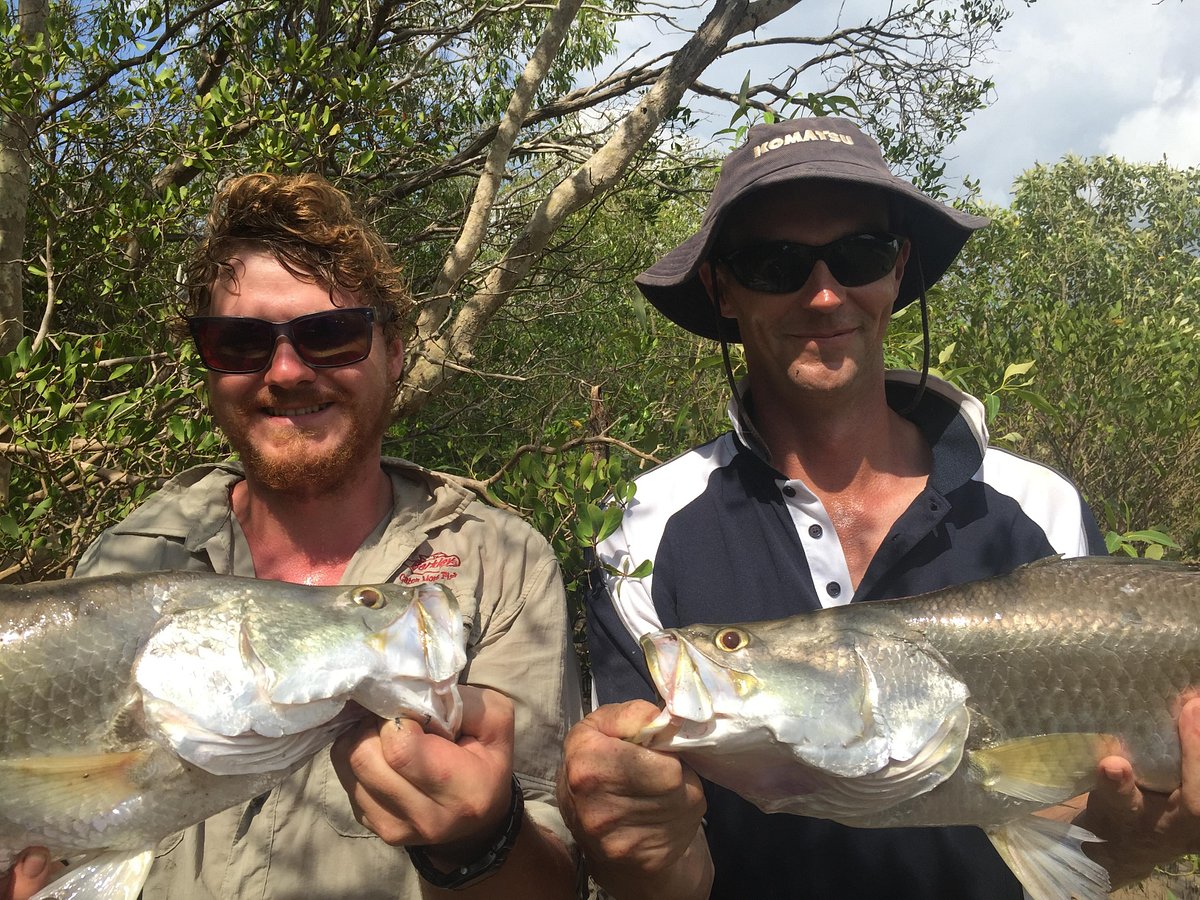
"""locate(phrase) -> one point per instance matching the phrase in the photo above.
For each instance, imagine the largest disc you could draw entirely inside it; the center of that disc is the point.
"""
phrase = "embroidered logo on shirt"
(436, 566)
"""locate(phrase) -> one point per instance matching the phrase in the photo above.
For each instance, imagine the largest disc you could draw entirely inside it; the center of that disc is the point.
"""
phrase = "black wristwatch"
(487, 864)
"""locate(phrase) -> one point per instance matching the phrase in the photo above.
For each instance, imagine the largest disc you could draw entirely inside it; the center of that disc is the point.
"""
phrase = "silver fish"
(974, 705)
(136, 705)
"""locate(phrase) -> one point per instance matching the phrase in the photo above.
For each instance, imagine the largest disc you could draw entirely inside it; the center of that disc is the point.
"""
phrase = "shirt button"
(789, 490)
(814, 531)
(833, 589)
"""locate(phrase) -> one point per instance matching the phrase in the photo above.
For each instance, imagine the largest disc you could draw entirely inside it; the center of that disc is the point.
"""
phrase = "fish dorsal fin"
(1048, 859)
(1045, 562)
(1045, 768)
(116, 875)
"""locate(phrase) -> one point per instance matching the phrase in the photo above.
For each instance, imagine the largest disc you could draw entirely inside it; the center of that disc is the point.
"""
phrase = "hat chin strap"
(920, 392)
(743, 417)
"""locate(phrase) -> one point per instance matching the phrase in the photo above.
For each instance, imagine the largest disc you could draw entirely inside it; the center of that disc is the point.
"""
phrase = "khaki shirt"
(301, 840)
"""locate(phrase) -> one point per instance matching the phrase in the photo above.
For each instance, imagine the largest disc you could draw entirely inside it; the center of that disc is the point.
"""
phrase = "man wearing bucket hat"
(838, 482)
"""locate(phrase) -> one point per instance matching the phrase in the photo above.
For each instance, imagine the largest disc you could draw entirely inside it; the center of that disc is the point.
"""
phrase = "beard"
(290, 464)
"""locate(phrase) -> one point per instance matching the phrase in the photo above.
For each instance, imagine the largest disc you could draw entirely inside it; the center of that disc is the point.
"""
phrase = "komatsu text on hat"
(822, 149)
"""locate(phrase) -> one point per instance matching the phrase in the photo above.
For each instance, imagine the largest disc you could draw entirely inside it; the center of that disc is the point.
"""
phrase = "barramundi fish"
(135, 705)
(975, 705)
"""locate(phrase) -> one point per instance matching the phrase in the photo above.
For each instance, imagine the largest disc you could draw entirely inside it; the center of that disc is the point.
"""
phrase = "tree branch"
(595, 176)
(466, 248)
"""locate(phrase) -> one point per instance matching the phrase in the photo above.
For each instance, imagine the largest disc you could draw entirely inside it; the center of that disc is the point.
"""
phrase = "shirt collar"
(945, 414)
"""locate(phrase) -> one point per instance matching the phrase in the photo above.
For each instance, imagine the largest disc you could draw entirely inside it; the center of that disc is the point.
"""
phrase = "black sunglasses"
(780, 267)
(238, 345)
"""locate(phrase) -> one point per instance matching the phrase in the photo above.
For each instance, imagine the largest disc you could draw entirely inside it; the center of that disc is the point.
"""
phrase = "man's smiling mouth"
(295, 411)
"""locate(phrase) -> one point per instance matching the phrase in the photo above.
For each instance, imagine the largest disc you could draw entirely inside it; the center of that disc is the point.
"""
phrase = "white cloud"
(1168, 126)
(1086, 77)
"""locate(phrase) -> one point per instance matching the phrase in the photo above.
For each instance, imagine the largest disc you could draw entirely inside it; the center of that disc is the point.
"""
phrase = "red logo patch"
(437, 566)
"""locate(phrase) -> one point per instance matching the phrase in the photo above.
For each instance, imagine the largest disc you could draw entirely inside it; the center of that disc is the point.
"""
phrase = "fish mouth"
(661, 649)
(693, 686)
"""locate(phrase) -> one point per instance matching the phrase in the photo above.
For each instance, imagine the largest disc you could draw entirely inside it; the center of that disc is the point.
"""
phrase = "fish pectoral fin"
(72, 782)
(1046, 768)
(117, 875)
(1048, 859)
(75, 765)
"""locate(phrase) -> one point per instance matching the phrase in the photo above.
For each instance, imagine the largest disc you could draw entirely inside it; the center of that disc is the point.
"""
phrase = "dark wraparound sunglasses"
(780, 267)
(237, 345)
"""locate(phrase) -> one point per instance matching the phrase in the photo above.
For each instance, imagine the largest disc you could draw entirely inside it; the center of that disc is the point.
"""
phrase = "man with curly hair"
(300, 317)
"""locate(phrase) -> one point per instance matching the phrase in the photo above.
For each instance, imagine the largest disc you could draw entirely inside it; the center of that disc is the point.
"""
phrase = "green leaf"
(610, 522)
(644, 568)
(1015, 370)
(1112, 540)
(1153, 536)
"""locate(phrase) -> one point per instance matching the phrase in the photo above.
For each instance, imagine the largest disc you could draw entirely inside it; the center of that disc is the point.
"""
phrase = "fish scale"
(41, 632)
(976, 705)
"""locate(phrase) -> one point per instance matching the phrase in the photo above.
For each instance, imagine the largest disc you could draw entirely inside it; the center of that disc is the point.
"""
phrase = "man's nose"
(286, 367)
(822, 291)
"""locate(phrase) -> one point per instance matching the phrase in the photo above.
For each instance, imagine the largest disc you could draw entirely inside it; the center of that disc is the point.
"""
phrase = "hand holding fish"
(410, 787)
(983, 704)
(112, 663)
(635, 812)
(1143, 828)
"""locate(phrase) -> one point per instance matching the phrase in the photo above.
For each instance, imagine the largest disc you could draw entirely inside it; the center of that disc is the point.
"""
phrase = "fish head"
(723, 689)
(268, 660)
(394, 650)
(841, 701)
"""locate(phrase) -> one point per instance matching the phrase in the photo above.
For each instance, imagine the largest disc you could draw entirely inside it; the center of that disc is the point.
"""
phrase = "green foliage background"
(1090, 281)
(1074, 314)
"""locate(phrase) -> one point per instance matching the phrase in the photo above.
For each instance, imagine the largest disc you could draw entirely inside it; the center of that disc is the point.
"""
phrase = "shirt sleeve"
(523, 649)
(1091, 538)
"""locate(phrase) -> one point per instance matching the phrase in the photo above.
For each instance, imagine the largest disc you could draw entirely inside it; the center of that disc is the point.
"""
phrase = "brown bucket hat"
(819, 149)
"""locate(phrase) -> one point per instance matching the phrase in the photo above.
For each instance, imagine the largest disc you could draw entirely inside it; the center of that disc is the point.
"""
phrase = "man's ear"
(902, 261)
(395, 359)
(708, 277)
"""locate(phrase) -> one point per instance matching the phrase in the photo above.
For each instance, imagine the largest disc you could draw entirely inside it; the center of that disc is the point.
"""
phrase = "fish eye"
(731, 639)
(370, 597)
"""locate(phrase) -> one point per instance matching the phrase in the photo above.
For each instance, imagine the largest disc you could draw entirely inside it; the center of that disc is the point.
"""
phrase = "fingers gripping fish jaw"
(425, 652)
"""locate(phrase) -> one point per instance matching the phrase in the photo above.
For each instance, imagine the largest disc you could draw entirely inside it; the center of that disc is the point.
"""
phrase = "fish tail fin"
(1048, 859)
(114, 875)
